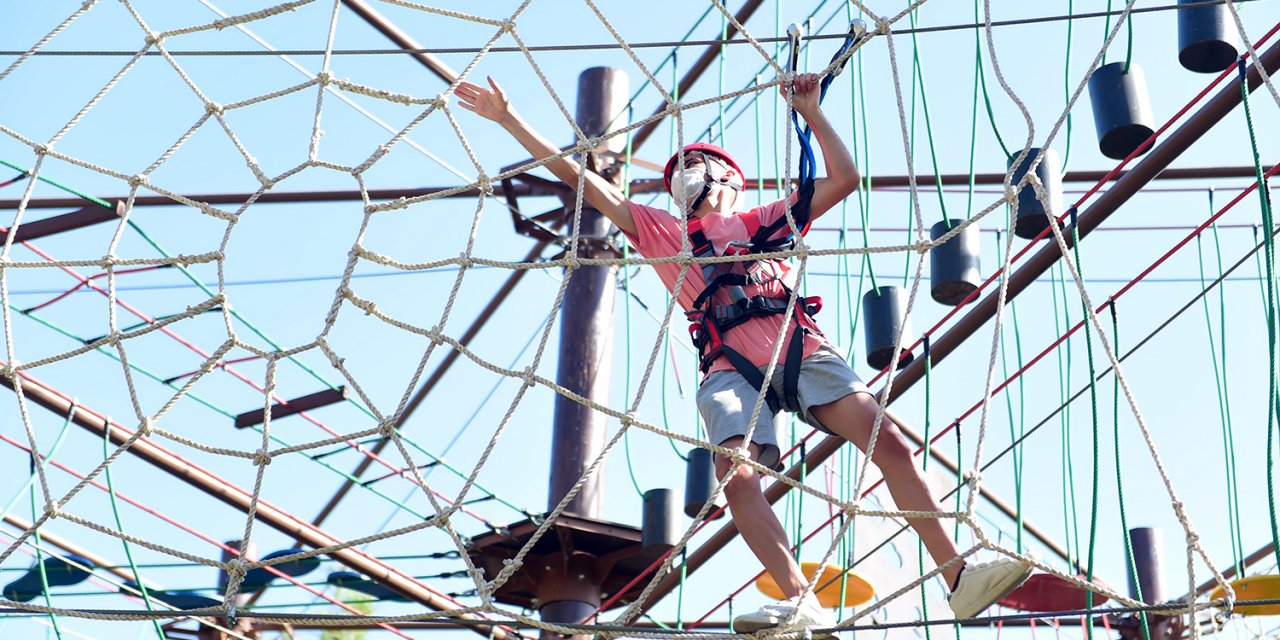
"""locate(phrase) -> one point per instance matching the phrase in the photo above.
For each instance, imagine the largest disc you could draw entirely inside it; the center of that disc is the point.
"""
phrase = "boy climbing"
(737, 310)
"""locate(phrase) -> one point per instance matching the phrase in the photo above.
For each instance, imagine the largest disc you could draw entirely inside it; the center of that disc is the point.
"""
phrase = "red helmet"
(704, 147)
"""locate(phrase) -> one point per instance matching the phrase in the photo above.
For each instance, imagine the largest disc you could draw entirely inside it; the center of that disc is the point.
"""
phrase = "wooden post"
(585, 365)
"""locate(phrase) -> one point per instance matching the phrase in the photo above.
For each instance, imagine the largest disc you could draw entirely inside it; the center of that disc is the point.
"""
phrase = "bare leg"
(852, 417)
(758, 524)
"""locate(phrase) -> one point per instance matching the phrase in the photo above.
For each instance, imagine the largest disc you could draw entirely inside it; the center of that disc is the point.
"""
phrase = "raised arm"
(842, 174)
(601, 194)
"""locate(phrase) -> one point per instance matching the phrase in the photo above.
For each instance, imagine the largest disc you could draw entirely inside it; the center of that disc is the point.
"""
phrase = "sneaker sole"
(748, 628)
(1015, 581)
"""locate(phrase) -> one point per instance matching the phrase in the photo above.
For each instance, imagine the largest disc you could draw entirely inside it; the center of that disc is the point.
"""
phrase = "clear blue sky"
(283, 263)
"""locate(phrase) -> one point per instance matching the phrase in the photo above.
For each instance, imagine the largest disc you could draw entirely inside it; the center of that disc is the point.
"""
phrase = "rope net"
(168, 346)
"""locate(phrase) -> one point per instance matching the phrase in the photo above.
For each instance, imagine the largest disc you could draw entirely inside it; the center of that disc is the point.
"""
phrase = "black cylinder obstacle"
(699, 482)
(1206, 37)
(955, 265)
(883, 311)
(660, 526)
(1034, 215)
(1121, 109)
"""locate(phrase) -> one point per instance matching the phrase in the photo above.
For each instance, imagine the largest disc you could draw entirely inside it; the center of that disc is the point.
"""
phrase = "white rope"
(348, 300)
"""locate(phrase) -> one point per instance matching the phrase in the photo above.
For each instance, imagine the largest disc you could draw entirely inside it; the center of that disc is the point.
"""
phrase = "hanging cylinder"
(1121, 109)
(955, 265)
(1206, 37)
(660, 524)
(1033, 215)
(883, 311)
(699, 482)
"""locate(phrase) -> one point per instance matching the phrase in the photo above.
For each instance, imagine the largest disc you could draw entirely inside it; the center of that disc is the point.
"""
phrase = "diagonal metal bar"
(699, 67)
(402, 40)
(1102, 208)
(235, 496)
(528, 187)
(481, 319)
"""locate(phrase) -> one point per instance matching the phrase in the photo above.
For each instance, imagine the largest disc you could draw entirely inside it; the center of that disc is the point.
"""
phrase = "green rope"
(928, 122)
(924, 466)
(44, 574)
(626, 290)
(1124, 519)
(128, 550)
(1093, 409)
(70, 190)
(1018, 435)
(1066, 84)
(1128, 54)
(1224, 411)
(982, 75)
(864, 194)
(1273, 400)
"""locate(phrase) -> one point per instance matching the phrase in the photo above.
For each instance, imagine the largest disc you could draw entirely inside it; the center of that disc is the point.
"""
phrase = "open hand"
(489, 103)
(807, 91)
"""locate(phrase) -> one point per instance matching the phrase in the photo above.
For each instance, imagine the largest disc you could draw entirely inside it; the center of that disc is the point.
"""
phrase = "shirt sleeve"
(774, 210)
(653, 234)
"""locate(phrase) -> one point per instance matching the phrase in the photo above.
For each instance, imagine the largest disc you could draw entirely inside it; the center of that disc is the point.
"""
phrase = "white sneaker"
(792, 614)
(983, 584)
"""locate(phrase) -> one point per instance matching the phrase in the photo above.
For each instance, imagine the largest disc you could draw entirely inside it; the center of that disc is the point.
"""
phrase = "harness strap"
(753, 376)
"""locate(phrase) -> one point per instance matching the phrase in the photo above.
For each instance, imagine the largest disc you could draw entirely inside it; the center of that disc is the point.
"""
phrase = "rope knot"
(485, 184)
(508, 25)
(465, 261)
(51, 510)
(236, 569)
(325, 78)
(1010, 197)
(151, 38)
(147, 426)
(9, 370)
(387, 428)
(527, 376)
(41, 149)
(434, 334)
(883, 27)
(261, 458)
(213, 108)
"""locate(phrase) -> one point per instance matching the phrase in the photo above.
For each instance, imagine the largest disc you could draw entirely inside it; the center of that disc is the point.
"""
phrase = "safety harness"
(709, 322)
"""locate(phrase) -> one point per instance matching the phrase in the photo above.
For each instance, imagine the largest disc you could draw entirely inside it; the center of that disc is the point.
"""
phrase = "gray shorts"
(726, 399)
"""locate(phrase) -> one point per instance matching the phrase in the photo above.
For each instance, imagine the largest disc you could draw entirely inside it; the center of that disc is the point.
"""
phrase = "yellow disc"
(1254, 588)
(832, 580)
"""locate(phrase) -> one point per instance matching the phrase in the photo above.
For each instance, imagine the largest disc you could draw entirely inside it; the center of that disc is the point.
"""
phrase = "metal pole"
(97, 214)
(1148, 547)
(585, 365)
(1106, 204)
(237, 497)
(402, 39)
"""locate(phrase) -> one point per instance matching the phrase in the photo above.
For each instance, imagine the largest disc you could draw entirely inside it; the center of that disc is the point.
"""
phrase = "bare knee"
(742, 479)
(891, 447)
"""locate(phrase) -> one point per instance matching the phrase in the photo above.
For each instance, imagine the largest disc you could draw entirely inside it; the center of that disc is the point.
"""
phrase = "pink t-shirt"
(658, 236)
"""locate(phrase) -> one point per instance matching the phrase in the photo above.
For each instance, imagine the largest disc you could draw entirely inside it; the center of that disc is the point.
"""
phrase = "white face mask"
(690, 183)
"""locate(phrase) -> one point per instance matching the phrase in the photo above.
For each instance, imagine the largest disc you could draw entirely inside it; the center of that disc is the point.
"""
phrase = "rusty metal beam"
(535, 188)
(699, 67)
(292, 407)
(231, 494)
(344, 195)
(421, 394)
(402, 40)
(1143, 172)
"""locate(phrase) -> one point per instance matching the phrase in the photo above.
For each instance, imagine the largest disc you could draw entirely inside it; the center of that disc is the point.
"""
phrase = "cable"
(605, 46)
